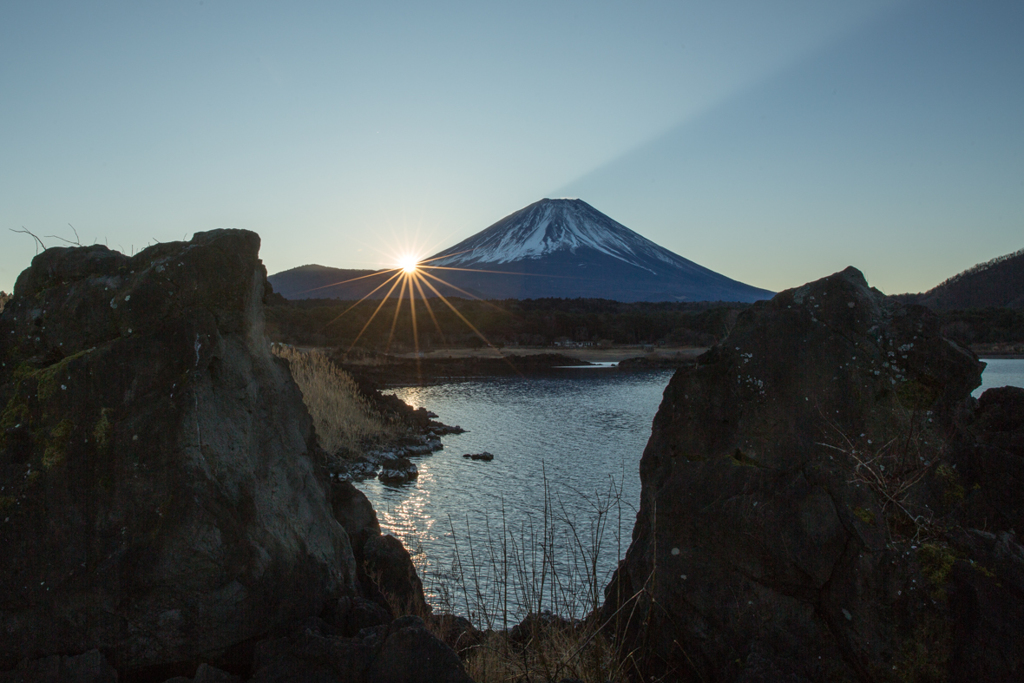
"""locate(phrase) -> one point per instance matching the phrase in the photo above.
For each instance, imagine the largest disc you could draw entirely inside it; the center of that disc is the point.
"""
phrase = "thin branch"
(76, 242)
(26, 231)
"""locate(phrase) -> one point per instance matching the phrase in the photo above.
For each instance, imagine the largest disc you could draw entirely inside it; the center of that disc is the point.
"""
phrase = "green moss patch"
(741, 458)
(936, 562)
(924, 656)
(864, 515)
(57, 445)
(103, 430)
(16, 412)
(917, 395)
(953, 491)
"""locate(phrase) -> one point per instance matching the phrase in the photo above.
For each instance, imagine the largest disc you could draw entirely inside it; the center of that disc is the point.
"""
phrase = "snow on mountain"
(567, 248)
(553, 225)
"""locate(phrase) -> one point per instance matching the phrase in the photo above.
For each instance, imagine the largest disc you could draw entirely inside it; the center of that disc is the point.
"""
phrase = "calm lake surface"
(572, 441)
(1001, 372)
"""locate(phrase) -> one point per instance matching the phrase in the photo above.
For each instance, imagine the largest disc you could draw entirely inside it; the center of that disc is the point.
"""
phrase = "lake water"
(1001, 372)
(559, 497)
(566, 452)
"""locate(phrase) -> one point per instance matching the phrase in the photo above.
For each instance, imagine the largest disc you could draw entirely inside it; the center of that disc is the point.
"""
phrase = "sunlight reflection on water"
(581, 431)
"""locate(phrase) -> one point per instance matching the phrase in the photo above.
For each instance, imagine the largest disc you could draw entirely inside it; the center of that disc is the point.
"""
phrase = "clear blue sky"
(775, 142)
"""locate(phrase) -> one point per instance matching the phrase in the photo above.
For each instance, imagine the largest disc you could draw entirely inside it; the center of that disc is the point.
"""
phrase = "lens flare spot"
(408, 264)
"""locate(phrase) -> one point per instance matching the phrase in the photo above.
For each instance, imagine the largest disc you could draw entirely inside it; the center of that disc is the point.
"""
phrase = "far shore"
(1002, 350)
(589, 354)
(613, 354)
(619, 353)
(399, 369)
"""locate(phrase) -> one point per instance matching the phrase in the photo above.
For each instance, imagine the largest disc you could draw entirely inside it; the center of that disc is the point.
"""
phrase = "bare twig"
(75, 243)
(890, 471)
(26, 231)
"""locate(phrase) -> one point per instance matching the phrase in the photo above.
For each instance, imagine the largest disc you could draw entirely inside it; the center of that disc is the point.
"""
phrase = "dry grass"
(541, 570)
(343, 419)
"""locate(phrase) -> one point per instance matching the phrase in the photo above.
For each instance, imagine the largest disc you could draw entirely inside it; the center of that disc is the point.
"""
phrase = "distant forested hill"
(323, 282)
(998, 283)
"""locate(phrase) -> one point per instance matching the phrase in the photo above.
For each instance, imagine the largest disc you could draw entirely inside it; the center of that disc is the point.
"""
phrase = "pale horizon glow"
(774, 143)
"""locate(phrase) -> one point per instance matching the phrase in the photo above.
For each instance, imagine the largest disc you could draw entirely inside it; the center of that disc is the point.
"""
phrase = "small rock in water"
(398, 472)
(479, 456)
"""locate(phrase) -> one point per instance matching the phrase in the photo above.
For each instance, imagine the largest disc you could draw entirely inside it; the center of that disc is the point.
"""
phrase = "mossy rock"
(56, 445)
(864, 515)
(936, 563)
(101, 432)
(952, 489)
(918, 394)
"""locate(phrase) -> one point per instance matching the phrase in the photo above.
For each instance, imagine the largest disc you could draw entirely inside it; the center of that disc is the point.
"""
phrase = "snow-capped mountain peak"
(557, 225)
(567, 248)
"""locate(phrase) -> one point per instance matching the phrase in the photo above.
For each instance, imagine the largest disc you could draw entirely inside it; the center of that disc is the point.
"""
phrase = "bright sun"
(408, 264)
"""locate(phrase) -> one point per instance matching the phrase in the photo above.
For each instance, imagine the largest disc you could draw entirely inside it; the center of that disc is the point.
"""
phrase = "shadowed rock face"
(159, 495)
(806, 508)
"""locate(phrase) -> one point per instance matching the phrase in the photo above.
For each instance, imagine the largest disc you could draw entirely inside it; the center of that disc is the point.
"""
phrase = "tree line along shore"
(590, 324)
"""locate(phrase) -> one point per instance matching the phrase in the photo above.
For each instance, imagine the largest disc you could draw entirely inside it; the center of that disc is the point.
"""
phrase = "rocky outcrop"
(398, 471)
(403, 651)
(994, 462)
(812, 495)
(388, 462)
(88, 667)
(385, 569)
(158, 477)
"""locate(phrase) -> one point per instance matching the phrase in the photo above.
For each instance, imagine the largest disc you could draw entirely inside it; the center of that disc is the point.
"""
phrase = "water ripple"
(560, 440)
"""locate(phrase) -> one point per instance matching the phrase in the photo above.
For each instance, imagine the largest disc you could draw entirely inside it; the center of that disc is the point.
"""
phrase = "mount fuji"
(567, 248)
(561, 248)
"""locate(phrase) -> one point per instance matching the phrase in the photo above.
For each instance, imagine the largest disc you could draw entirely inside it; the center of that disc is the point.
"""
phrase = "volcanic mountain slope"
(998, 283)
(561, 248)
(323, 282)
(567, 248)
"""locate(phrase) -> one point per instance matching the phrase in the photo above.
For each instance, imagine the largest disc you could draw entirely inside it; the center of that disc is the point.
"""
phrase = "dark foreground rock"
(384, 568)
(88, 667)
(158, 481)
(817, 506)
(403, 651)
(164, 509)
